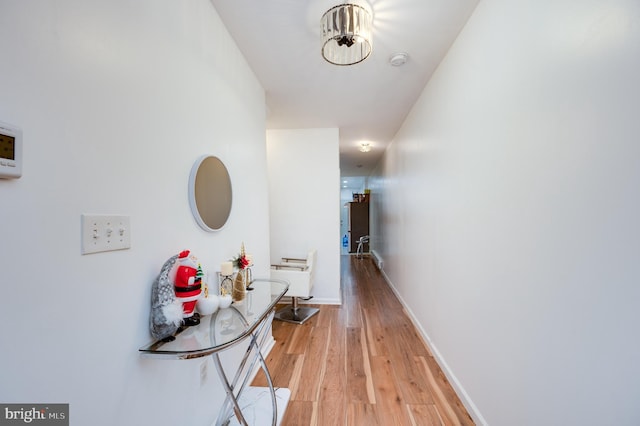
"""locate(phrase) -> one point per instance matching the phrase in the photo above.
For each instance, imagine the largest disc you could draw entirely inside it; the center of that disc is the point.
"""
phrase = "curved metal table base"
(231, 402)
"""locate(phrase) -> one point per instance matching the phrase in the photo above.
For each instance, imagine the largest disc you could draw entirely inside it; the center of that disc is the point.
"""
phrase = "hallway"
(362, 363)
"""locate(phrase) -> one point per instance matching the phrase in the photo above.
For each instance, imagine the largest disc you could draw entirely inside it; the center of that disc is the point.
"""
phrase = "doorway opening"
(354, 215)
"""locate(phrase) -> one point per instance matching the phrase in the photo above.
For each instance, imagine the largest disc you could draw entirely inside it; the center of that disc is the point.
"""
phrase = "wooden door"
(358, 224)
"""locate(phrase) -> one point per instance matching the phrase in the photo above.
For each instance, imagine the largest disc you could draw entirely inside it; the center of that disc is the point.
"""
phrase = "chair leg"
(295, 313)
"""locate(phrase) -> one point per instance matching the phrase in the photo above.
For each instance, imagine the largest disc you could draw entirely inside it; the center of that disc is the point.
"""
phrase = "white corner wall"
(507, 212)
(304, 201)
(117, 99)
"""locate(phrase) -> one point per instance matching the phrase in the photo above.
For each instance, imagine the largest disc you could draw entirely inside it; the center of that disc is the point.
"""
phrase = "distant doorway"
(354, 214)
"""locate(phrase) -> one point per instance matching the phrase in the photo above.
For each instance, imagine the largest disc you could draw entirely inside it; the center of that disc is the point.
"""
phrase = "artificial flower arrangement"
(241, 262)
(241, 281)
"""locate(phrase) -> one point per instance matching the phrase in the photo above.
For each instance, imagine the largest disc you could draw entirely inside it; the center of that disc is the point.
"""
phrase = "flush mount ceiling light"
(346, 34)
(365, 147)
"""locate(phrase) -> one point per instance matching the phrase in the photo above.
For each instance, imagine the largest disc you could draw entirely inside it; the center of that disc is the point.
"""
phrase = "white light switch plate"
(105, 233)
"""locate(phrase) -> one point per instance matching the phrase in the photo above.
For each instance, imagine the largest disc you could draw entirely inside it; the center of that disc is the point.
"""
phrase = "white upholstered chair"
(299, 273)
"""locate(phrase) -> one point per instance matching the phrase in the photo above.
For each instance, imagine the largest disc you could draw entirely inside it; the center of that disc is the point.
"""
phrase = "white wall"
(304, 201)
(509, 212)
(117, 99)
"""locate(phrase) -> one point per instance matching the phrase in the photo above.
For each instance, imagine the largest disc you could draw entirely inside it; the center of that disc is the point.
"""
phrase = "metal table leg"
(234, 392)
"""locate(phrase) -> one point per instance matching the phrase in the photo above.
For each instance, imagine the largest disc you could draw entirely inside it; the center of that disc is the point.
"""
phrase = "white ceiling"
(367, 101)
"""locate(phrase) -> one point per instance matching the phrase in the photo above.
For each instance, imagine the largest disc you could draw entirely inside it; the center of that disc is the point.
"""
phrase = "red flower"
(241, 262)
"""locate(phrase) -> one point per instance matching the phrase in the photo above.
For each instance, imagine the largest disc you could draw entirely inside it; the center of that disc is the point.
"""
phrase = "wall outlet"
(105, 233)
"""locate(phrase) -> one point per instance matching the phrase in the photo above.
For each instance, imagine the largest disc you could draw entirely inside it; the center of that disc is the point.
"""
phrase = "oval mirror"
(210, 193)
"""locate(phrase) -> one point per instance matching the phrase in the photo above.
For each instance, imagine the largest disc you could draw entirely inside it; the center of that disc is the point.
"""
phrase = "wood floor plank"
(376, 333)
(424, 415)
(314, 365)
(294, 380)
(359, 381)
(282, 332)
(360, 413)
(333, 381)
(326, 314)
(299, 339)
(448, 405)
(391, 407)
(354, 315)
(281, 369)
(412, 381)
(331, 409)
(388, 298)
(410, 336)
(332, 412)
(299, 413)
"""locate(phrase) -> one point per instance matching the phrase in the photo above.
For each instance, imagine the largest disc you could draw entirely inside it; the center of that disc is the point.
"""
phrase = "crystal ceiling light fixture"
(365, 147)
(346, 34)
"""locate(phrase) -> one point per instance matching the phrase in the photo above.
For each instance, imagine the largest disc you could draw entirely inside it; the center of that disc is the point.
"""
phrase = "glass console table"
(249, 322)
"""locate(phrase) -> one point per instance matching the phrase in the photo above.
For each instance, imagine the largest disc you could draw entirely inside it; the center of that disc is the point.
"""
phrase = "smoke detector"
(398, 59)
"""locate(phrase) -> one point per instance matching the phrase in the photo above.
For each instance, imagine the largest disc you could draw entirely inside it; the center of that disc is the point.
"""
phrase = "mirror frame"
(196, 193)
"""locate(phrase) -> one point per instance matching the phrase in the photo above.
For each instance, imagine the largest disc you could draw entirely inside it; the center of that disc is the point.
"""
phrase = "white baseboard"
(455, 383)
(377, 260)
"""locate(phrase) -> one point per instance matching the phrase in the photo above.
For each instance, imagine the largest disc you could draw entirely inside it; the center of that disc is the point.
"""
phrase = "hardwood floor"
(362, 363)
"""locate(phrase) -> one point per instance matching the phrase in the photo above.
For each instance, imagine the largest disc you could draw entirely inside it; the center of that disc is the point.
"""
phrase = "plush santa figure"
(188, 286)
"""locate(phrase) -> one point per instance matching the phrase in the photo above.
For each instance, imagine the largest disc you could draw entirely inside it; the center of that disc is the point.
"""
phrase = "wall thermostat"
(10, 151)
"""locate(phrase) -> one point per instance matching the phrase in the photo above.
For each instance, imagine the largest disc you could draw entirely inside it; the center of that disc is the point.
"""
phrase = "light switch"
(105, 233)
